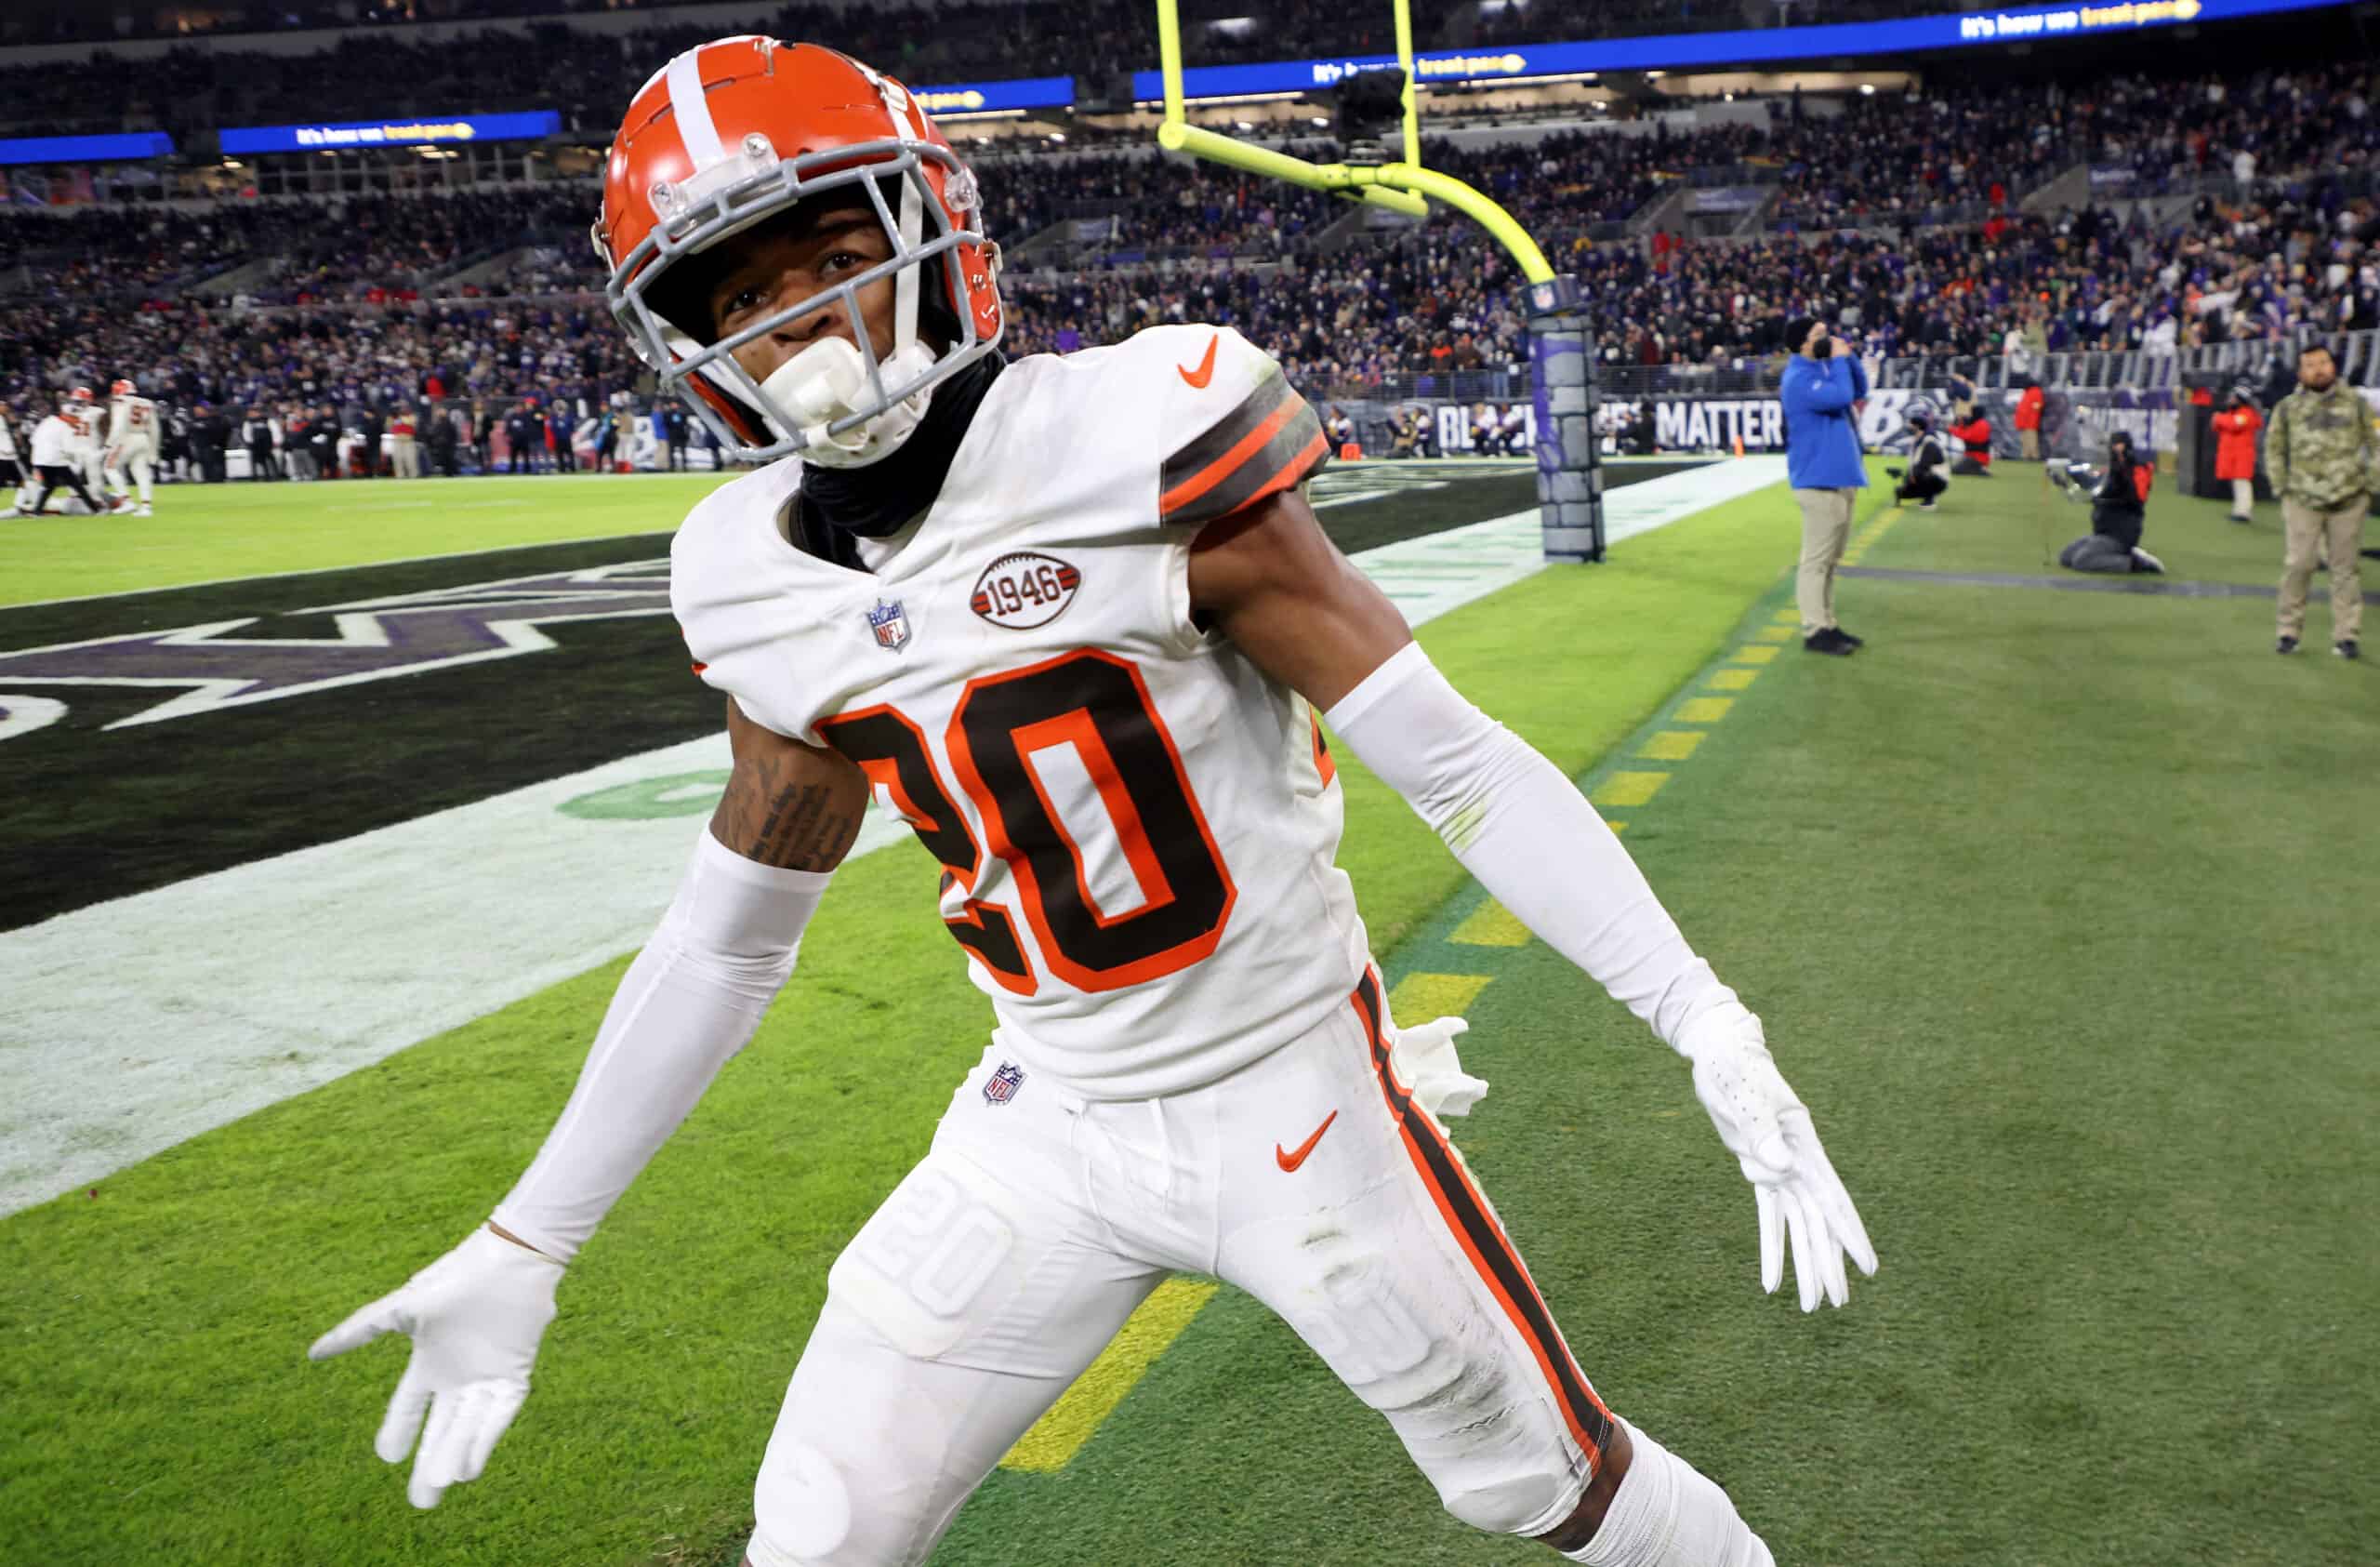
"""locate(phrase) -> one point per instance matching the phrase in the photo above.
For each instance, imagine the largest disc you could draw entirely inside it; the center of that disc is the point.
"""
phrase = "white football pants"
(1004, 1262)
(144, 469)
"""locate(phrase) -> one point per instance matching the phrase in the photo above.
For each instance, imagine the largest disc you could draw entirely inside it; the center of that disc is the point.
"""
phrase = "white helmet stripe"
(691, 109)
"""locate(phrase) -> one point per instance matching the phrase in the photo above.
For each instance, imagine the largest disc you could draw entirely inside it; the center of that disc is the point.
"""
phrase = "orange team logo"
(1289, 1161)
(1206, 371)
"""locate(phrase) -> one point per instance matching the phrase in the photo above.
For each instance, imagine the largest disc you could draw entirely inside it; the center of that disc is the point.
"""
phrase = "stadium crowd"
(1279, 27)
(384, 299)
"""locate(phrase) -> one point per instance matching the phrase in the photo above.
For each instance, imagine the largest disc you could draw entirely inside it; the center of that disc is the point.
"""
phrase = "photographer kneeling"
(1926, 477)
(2119, 508)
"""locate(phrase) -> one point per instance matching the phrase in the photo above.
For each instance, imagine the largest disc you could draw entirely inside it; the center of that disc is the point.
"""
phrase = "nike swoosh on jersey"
(1289, 1161)
(1206, 371)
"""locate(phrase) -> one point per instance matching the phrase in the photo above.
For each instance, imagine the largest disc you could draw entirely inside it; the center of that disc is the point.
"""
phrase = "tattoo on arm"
(791, 805)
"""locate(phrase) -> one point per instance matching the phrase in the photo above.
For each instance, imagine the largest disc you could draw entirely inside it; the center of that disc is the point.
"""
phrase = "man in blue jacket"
(1822, 383)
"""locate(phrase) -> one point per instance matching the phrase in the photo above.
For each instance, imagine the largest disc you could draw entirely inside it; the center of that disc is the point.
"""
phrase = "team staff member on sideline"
(1821, 383)
(1973, 433)
(404, 446)
(1927, 461)
(2324, 463)
(2029, 420)
(2235, 452)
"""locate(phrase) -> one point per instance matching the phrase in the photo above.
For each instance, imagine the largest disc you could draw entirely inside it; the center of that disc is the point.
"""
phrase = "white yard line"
(132, 1026)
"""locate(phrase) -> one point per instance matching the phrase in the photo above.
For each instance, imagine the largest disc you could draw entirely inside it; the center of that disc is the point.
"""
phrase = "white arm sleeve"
(1529, 836)
(686, 1005)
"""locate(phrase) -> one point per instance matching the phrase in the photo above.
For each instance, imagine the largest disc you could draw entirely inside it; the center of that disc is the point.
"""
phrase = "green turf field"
(2051, 901)
(213, 533)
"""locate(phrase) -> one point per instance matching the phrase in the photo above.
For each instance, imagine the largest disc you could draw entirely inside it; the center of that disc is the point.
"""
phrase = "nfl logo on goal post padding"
(1001, 1086)
(890, 624)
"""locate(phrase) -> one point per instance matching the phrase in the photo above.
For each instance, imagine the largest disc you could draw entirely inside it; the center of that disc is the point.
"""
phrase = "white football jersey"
(1136, 828)
(132, 425)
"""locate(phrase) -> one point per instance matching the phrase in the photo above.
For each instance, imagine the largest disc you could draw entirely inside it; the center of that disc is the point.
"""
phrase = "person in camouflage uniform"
(2323, 459)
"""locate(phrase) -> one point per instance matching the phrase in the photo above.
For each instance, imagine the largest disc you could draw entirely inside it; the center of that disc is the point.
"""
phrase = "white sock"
(1668, 1514)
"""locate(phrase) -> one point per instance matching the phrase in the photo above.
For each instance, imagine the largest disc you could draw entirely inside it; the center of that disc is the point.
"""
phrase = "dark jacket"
(2120, 503)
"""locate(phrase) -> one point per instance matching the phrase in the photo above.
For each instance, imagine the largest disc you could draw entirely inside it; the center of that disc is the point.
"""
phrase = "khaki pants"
(1826, 529)
(2336, 533)
(2031, 440)
(2243, 498)
(404, 457)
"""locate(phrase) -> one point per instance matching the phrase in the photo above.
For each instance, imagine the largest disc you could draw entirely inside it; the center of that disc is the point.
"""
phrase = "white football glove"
(1425, 1059)
(474, 1315)
(1769, 1132)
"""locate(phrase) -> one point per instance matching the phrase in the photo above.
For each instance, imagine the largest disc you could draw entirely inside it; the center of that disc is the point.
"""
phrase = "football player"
(132, 444)
(83, 414)
(1070, 617)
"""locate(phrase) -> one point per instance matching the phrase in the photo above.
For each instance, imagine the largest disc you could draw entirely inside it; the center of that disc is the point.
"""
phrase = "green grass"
(2050, 901)
(210, 532)
(154, 1403)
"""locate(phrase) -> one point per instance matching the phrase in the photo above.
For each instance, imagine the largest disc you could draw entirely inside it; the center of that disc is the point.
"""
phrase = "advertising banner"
(1745, 46)
(411, 132)
(983, 98)
(85, 149)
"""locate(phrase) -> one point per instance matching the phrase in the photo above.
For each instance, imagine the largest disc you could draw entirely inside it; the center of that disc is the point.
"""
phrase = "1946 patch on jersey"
(1025, 590)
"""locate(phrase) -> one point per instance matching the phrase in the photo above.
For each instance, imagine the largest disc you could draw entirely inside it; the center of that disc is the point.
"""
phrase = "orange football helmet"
(123, 389)
(737, 131)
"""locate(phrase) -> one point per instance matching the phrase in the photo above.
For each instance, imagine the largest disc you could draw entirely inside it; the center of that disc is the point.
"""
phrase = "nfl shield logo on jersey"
(1001, 1086)
(890, 624)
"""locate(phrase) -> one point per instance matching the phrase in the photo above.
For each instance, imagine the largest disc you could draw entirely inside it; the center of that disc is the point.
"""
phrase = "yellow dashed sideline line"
(1774, 634)
(1671, 745)
(1630, 789)
(1732, 679)
(1068, 1424)
(1704, 710)
(1419, 997)
(1759, 653)
(1491, 925)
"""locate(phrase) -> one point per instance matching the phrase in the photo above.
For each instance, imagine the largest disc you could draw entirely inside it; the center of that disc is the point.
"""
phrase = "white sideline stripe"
(132, 1026)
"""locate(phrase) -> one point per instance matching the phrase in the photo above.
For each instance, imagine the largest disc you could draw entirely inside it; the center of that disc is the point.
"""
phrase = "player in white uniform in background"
(1071, 619)
(132, 444)
(87, 417)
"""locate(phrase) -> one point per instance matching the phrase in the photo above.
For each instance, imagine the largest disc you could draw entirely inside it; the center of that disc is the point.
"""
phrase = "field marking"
(1423, 997)
(1702, 710)
(1776, 633)
(1146, 1334)
(1491, 925)
(132, 1026)
(1630, 789)
(1755, 653)
(1672, 745)
(1731, 680)
(325, 570)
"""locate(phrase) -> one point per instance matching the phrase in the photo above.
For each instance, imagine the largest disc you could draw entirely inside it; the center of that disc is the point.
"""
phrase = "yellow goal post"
(1569, 474)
